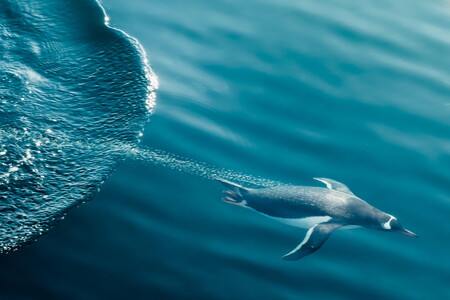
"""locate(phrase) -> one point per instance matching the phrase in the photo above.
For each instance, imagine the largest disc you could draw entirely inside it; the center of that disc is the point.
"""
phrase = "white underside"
(309, 222)
(303, 222)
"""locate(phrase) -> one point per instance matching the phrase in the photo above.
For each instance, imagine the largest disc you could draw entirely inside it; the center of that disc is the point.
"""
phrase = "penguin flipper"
(335, 185)
(314, 239)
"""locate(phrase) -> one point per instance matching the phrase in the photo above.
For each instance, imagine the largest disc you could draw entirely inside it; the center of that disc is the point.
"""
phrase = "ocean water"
(261, 92)
(71, 87)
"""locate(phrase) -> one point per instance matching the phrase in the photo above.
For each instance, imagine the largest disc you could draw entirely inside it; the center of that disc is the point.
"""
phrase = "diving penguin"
(321, 210)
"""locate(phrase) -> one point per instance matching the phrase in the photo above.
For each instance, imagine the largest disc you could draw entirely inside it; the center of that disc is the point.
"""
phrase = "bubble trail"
(186, 165)
(148, 156)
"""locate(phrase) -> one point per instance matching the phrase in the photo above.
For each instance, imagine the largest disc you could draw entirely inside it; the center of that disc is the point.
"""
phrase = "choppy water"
(67, 79)
(277, 91)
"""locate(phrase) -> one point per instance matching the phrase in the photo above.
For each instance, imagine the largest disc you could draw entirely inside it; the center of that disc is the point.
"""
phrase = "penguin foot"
(232, 198)
(234, 193)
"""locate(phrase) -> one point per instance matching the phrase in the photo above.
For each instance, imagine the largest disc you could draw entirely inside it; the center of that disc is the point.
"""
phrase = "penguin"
(321, 210)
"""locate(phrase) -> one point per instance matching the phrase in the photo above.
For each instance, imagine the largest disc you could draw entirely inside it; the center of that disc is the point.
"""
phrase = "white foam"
(13, 169)
(28, 154)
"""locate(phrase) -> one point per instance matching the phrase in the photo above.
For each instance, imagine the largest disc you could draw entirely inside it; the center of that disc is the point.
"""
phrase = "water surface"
(288, 90)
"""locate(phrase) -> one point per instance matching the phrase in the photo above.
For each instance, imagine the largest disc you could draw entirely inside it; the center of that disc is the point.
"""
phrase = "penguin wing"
(335, 185)
(314, 239)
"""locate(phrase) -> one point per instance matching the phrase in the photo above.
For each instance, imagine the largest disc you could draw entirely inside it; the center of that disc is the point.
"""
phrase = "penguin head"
(394, 225)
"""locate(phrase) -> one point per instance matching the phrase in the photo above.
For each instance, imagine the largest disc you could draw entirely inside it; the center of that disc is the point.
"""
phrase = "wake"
(186, 165)
(32, 145)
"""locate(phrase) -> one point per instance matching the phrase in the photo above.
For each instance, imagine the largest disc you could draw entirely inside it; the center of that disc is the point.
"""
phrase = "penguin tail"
(233, 193)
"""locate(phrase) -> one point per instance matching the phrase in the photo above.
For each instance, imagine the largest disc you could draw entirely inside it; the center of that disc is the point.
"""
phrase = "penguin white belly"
(306, 223)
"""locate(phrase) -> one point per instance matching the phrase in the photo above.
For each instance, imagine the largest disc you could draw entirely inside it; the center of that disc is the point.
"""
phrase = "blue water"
(71, 86)
(262, 91)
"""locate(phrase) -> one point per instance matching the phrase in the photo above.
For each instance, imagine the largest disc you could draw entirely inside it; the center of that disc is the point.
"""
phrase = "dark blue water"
(266, 92)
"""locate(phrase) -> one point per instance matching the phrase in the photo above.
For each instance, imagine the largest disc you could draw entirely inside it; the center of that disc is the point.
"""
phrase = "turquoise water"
(281, 91)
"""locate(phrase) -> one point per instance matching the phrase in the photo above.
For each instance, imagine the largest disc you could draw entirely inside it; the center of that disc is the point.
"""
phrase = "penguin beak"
(409, 233)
